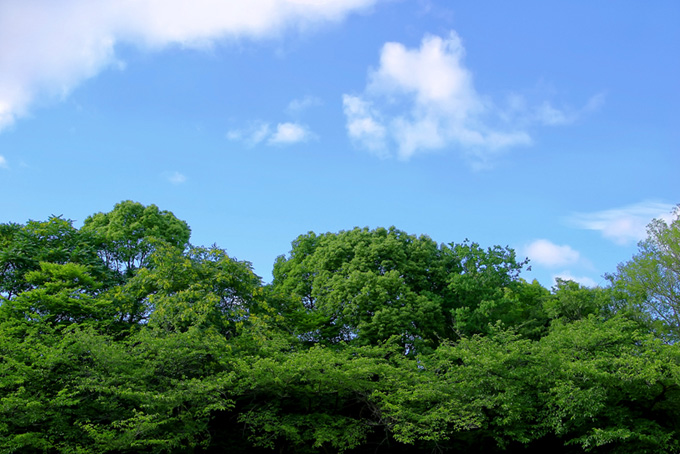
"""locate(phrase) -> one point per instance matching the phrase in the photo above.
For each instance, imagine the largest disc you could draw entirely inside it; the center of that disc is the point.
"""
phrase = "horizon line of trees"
(122, 337)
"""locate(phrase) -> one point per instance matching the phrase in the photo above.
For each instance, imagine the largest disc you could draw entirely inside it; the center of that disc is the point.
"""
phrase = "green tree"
(127, 235)
(364, 286)
(590, 385)
(13, 263)
(482, 289)
(63, 294)
(571, 301)
(202, 287)
(24, 247)
(649, 283)
(80, 391)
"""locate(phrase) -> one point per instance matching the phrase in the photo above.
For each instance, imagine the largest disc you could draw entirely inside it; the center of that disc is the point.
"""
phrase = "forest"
(122, 337)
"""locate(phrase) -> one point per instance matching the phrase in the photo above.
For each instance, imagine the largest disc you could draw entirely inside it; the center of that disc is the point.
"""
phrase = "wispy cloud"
(284, 134)
(424, 99)
(364, 125)
(175, 177)
(518, 111)
(547, 253)
(48, 48)
(3, 163)
(624, 225)
(251, 135)
(548, 115)
(297, 106)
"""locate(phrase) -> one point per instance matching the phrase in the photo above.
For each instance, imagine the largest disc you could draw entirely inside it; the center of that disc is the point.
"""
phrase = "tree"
(202, 288)
(24, 247)
(80, 391)
(127, 235)
(590, 385)
(364, 286)
(482, 288)
(649, 283)
(63, 294)
(571, 301)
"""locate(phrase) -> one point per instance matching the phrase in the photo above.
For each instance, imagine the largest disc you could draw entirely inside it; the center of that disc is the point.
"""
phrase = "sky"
(549, 127)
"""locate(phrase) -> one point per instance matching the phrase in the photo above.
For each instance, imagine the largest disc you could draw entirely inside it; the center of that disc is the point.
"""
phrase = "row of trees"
(122, 337)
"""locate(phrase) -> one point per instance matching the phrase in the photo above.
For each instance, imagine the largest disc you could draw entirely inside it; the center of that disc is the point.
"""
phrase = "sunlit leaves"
(127, 235)
(650, 282)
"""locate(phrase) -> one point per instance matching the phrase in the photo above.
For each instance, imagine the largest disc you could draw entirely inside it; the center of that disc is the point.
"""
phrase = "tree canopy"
(121, 337)
(650, 281)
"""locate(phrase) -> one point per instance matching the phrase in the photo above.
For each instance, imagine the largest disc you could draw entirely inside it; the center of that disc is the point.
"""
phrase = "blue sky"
(550, 127)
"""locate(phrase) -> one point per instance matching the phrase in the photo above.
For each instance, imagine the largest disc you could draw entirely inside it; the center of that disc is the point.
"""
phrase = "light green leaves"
(650, 282)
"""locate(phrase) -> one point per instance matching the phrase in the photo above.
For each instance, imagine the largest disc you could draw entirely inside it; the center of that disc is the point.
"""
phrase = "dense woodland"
(123, 337)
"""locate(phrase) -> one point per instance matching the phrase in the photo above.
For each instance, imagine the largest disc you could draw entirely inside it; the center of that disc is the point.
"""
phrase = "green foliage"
(364, 286)
(121, 338)
(484, 287)
(200, 288)
(589, 383)
(162, 388)
(24, 247)
(649, 284)
(127, 235)
(82, 392)
(611, 378)
(571, 301)
(62, 294)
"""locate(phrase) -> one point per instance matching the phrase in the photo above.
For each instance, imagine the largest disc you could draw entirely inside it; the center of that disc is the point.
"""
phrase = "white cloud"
(549, 254)
(442, 107)
(434, 74)
(284, 134)
(289, 133)
(176, 178)
(583, 280)
(252, 135)
(297, 106)
(548, 115)
(424, 99)
(518, 111)
(363, 126)
(49, 47)
(3, 163)
(624, 225)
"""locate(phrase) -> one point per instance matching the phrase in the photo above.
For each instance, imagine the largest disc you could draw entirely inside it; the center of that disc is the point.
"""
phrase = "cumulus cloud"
(49, 47)
(624, 225)
(435, 99)
(284, 134)
(289, 133)
(424, 99)
(549, 254)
